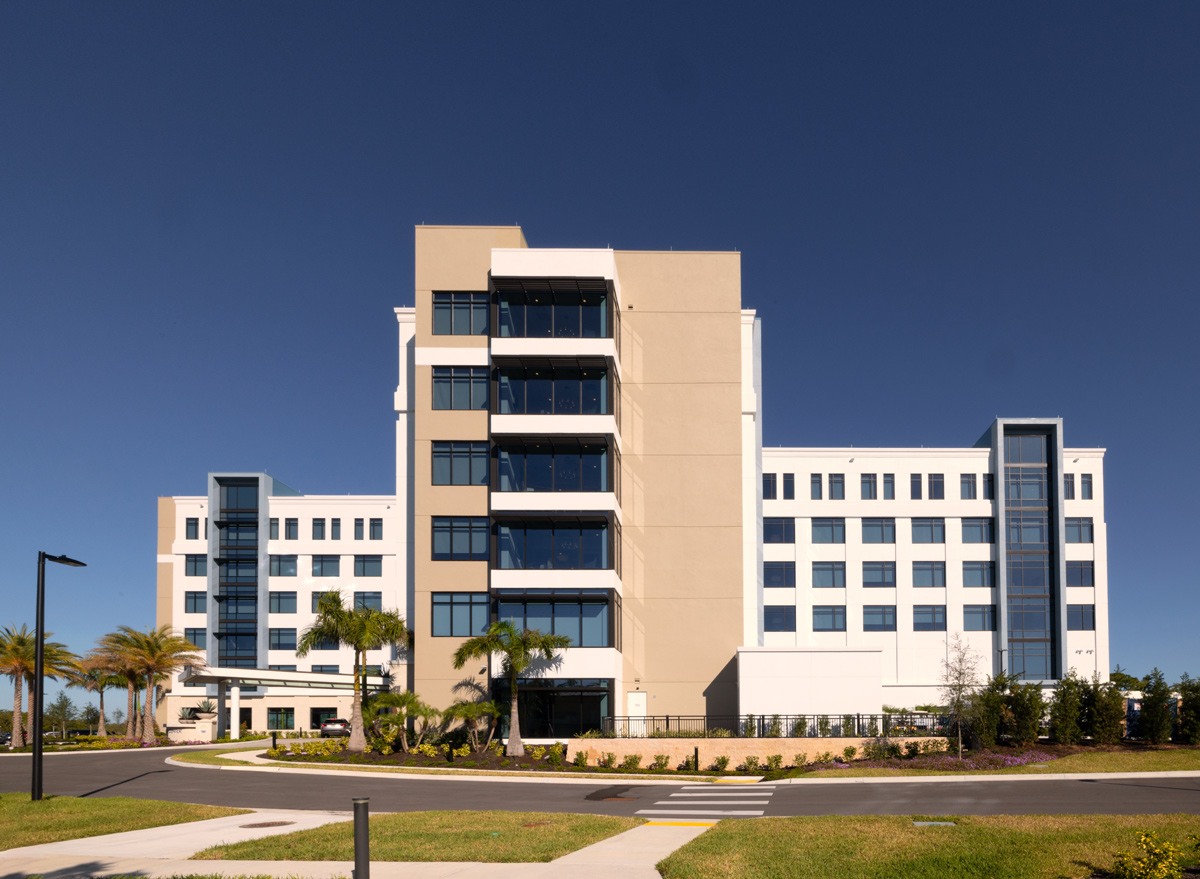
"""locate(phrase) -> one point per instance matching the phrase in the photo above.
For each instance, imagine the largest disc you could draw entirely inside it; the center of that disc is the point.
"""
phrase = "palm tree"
(156, 654)
(390, 713)
(118, 652)
(518, 650)
(16, 661)
(473, 716)
(362, 629)
(95, 675)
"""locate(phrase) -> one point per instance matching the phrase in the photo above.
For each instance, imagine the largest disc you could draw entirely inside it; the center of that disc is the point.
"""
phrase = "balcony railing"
(764, 726)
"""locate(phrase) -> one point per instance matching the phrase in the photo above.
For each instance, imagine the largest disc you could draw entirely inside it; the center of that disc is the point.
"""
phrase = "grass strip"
(885, 847)
(216, 758)
(54, 819)
(488, 837)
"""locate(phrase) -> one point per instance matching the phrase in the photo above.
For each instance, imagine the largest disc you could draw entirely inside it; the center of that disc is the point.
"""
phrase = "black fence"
(774, 726)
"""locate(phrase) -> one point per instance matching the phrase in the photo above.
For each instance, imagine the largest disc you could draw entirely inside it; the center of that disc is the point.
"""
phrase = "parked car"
(335, 726)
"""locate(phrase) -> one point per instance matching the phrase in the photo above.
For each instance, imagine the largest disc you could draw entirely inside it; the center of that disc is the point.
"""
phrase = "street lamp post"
(37, 697)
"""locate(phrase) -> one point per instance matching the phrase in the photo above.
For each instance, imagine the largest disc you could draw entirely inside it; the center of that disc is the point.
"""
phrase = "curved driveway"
(146, 774)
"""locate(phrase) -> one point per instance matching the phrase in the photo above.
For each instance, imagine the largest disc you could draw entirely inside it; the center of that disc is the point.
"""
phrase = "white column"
(235, 711)
(221, 710)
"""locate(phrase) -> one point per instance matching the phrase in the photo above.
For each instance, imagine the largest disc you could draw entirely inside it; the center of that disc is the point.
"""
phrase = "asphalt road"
(145, 774)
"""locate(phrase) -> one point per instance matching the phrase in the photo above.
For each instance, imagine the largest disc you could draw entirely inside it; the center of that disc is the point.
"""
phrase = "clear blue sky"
(947, 212)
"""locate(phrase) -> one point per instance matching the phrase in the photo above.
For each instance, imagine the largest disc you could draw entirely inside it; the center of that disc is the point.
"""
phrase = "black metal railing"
(774, 726)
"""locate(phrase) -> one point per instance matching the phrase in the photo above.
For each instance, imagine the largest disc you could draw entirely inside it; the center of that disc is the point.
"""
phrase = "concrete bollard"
(362, 839)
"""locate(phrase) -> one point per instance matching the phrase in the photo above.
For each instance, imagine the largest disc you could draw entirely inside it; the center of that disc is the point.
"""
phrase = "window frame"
(868, 487)
(936, 526)
(836, 569)
(769, 486)
(447, 599)
(985, 611)
(789, 486)
(789, 579)
(783, 527)
(882, 527)
(1082, 528)
(837, 486)
(364, 565)
(967, 484)
(937, 571)
(278, 599)
(836, 612)
(981, 526)
(887, 570)
(779, 618)
(937, 486)
(887, 614)
(195, 601)
(445, 316)
(322, 564)
(451, 382)
(837, 524)
(932, 625)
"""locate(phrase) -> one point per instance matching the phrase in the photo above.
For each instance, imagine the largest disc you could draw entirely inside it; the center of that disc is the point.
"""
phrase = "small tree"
(1028, 707)
(91, 716)
(991, 710)
(1189, 710)
(391, 713)
(475, 717)
(60, 712)
(1103, 711)
(1066, 709)
(1125, 681)
(960, 681)
(1154, 724)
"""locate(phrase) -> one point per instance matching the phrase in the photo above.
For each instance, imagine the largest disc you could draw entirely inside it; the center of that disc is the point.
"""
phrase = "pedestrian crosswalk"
(714, 801)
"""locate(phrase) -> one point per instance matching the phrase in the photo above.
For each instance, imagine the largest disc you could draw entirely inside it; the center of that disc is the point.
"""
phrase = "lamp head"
(64, 560)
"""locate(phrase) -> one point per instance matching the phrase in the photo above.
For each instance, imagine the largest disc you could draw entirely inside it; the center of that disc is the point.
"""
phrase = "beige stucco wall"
(682, 479)
(166, 542)
(735, 749)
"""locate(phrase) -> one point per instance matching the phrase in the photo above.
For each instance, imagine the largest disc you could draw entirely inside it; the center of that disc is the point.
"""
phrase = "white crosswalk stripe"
(723, 801)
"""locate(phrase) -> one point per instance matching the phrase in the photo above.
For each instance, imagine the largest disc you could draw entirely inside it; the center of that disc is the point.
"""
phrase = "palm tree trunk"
(148, 712)
(18, 737)
(516, 748)
(130, 713)
(358, 740)
(100, 730)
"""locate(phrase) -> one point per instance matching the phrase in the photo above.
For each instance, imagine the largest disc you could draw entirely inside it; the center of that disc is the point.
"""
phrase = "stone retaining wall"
(735, 749)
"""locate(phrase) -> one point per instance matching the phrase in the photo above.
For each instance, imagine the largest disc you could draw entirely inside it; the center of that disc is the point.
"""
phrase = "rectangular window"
(829, 618)
(368, 600)
(196, 566)
(779, 530)
(879, 575)
(368, 565)
(879, 618)
(335, 529)
(281, 718)
(837, 486)
(318, 531)
(460, 538)
(966, 486)
(377, 529)
(989, 487)
(889, 486)
(582, 615)
(829, 575)
(979, 575)
(195, 602)
(979, 618)
(281, 639)
(937, 487)
(192, 529)
(929, 575)
(283, 566)
(828, 530)
(460, 387)
(291, 529)
(325, 669)
(868, 487)
(358, 529)
(814, 487)
(928, 530)
(1068, 486)
(562, 314)
(1085, 486)
(556, 390)
(768, 486)
(789, 486)
(460, 463)
(779, 575)
(316, 600)
(274, 532)
(1081, 617)
(1079, 530)
(281, 667)
(326, 566)
(460, 314)
(572, 544)
(460, 614)
(929, 618)
(914, 486)
(1081, 574)
(779, 618)
(878, 530)
(978, 531)
(199, 637)
(281, 602)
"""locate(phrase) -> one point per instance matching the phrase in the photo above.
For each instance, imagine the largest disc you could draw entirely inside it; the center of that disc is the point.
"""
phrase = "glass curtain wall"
(1029, 543)
(237, 574)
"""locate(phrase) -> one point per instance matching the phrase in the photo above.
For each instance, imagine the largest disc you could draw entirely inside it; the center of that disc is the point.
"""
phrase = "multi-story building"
(579, 450)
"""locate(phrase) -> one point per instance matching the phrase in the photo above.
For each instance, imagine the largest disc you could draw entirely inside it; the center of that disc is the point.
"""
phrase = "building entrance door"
(635, 708)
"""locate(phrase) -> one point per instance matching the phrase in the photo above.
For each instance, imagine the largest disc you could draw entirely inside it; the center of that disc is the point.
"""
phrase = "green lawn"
(996, 847)
(57, 818)
(490, 837)
(216, 758)
(1166, 760)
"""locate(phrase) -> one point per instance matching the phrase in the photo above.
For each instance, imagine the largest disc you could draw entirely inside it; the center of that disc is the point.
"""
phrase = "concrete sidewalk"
(163, 852)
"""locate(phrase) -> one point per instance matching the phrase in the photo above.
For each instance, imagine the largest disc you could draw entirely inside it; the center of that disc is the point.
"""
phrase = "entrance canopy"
(262, 677)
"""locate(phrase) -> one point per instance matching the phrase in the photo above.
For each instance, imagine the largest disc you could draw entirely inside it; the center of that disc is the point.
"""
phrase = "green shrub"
(849, 727)
(537, 753)
(989, 708)
(660, 761)
(892, 750)
(1104, 711)
(1066, 709)
(750, 727)
(912, 749)
(849, 752)
(799, 728)
(934, 746)
(720, 763)
(874, 751)
(554, 755)
(824, 757)
(688, 764)
(580, 759)
(750, 764)
(504, 763)
(607, 760)
(632, 762)
(873, 728)
(774, 762)
(590, 734)
(1158, 860)
(775, 727)
(824, 727)
(800, 760)
(1154, 723)
(1189, 710)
